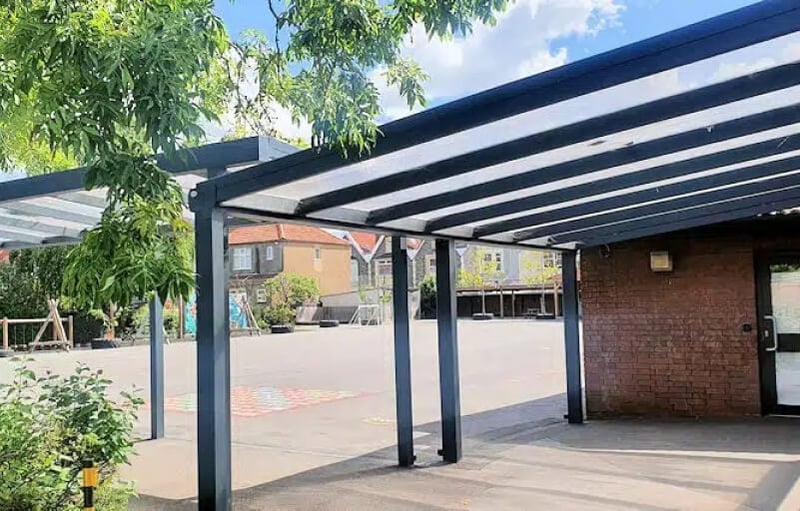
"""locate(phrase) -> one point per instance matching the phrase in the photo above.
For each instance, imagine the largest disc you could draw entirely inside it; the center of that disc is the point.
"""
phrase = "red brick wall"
(670, 343)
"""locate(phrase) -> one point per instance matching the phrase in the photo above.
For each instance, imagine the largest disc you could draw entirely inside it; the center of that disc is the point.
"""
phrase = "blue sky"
(533, 36)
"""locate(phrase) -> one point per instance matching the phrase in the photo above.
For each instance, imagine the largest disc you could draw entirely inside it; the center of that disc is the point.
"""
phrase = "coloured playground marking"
(258, 401)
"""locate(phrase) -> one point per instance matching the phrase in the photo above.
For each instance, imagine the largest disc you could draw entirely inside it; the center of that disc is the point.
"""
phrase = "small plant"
(109, 318)
(49, 426)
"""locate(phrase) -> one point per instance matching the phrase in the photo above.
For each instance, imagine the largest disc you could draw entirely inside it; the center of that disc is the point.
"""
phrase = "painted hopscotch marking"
(258, 401)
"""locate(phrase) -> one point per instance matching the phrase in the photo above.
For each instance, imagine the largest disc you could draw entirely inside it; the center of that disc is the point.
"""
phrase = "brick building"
(696, 340)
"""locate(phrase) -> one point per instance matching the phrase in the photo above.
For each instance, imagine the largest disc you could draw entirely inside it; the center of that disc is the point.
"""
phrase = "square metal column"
(402, 353)
(446, 316)
(213, 364)
(572, 339)
(156, 368)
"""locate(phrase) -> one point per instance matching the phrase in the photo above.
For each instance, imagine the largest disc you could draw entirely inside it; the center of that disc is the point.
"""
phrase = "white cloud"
(523, 42)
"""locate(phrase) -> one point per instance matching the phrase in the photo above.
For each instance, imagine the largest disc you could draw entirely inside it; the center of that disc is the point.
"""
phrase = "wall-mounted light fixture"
(660, 261)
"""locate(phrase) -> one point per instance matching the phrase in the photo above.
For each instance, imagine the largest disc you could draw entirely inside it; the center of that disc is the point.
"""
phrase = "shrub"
(171, 322)
(49, 426)
(280, 314)
(287, 292)
(427, 298)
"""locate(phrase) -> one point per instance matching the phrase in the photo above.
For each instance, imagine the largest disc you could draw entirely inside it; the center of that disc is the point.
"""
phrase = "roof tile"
(281, 232)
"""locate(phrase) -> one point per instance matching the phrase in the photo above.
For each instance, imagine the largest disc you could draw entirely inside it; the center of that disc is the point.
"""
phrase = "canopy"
(689, 128)
(56, 209)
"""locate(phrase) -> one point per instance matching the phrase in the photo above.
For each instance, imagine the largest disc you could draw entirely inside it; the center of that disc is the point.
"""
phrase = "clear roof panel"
(734, 64)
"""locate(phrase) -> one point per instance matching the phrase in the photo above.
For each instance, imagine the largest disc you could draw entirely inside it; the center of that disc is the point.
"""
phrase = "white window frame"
(240, 256)
(270, 253)
(261, 295)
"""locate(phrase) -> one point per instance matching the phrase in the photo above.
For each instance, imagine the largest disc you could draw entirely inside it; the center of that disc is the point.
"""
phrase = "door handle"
(774, 321)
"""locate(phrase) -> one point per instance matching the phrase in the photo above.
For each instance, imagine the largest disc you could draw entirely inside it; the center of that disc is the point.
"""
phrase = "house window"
(317, 254)
(431, 265)
(270, 253)
(261, 295)
(354, 274)
(242, 259)
(552, 260)
(495, 258)
(384, 267)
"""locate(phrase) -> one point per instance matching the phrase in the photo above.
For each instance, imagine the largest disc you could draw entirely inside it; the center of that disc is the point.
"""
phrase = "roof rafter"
(671, 107)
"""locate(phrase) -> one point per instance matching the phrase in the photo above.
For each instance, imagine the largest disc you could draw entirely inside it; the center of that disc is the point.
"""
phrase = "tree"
(480, 270)
(538, 269)
(107, 84)
(324, 56)
(110, 83)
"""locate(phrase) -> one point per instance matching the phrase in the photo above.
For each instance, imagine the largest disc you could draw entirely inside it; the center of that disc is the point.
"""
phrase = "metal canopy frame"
(534, 204)
(56, 209)
(503, 167)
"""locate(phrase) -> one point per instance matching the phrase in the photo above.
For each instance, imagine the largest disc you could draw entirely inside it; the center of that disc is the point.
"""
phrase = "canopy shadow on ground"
(689, 455)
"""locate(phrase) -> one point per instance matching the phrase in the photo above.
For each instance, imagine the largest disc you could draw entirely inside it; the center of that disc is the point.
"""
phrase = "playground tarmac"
(313, 429)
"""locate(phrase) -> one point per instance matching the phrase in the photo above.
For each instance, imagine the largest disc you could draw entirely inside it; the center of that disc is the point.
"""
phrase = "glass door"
(779, 326)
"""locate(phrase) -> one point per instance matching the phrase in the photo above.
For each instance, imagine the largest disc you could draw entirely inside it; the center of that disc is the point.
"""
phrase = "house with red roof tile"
(259, 252)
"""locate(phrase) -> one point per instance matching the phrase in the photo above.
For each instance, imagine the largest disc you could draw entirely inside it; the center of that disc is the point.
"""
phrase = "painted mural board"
(237, 309)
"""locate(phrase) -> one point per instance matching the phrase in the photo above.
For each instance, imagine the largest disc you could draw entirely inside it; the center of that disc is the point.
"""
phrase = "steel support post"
(402, 353)
(213, 365)
(446, 315)
(156, 368)
(572, 340)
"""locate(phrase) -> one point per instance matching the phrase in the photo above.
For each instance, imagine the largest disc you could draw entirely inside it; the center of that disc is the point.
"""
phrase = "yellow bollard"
(90, 479)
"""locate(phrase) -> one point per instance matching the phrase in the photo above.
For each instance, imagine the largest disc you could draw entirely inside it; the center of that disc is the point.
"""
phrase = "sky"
(530, 37)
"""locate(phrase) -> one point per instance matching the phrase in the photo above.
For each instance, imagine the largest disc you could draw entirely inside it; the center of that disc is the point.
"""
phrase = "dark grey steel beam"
(572, 338)
(644, 177)
(720, 211)
(46, 242)
(671, 107)
(722, 34)
(222, 154)
(402, 354)
(213, 365)
(446, 320)
(258, 216)
(735, 189)
(701, 221)
(19, 235)
(634, 153)
(156, 368)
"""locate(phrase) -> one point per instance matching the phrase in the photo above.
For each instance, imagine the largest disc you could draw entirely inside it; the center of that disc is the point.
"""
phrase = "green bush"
(280, 314)
(427, 297)
(51, 425)
(171, 322)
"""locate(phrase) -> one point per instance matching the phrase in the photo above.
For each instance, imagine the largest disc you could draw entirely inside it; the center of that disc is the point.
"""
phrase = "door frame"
(766, 359)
